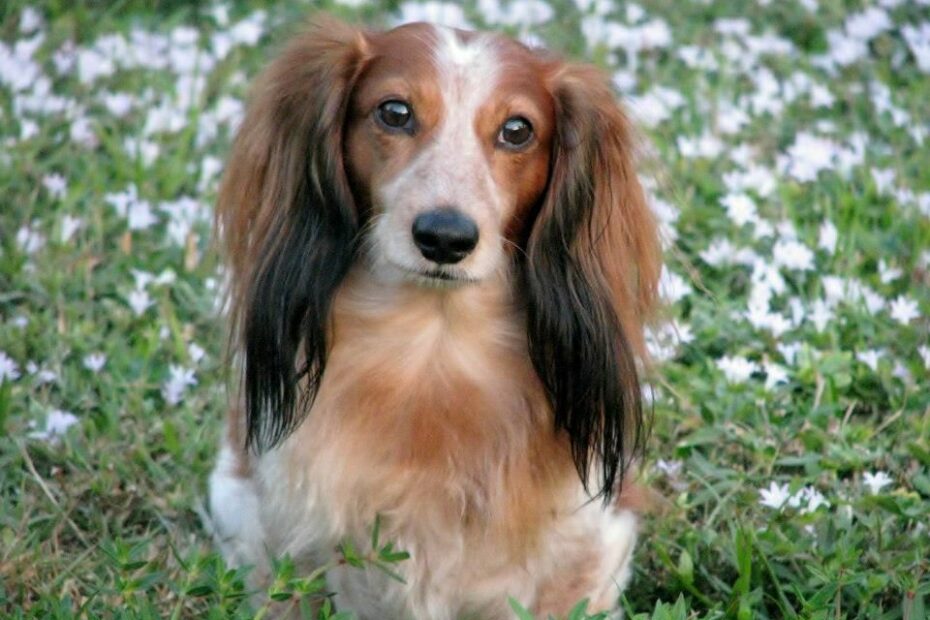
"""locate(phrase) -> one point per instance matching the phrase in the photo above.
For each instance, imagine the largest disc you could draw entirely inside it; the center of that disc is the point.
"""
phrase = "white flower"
(868, 24)
(672, 468)
(517, 13)
(821, 97)
(30, 20)
(820, 314)
(812, 499)
(196, 352)
(887, 273)
(82, 132)
(924, 352)
(55, 185)
(741, 209)
(873, 301)
(139, 301)
(877, 481)
(918, 39)
(730, 120)
(760, 316)
(844, 49)
(870, 357)
(180, 379)
(736, 369)
(140, 216)
(828, 237)
(166, 277)
(720, 252)
(182, 215)
(138, 213)
(672, 287)
(248, 31)
(774, 374)
(793, 255)
(757, 179)
(903, 310)
(95, 362)
(220, 12)
(656, 105)
(705, 146)
(57, 422)
(146, 150)
(30, 241)
(118, 104)
(884, 179)
(789, 351)
(42, 375)
(808, 156)
(69, 226)
(775, 496)
(444, 13)
(8, 368)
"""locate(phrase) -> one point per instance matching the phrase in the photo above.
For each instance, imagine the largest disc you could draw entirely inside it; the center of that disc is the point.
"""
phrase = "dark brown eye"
(395, 114)
(516, 132)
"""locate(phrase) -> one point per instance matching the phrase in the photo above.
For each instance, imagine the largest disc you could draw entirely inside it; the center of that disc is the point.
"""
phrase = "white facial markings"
(452, 170)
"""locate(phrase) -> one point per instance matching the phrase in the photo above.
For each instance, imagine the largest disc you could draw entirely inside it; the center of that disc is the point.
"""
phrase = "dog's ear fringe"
(288, 224)
(591, 270)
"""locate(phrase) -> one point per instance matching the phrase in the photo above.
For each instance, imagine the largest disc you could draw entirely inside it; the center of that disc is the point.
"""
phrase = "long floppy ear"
(592, 267)
(288, 224)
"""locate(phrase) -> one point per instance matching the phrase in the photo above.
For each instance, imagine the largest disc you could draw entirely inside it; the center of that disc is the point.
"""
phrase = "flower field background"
(787, 149)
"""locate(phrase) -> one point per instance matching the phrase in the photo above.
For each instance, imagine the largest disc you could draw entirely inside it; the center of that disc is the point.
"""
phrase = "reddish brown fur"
(401, 69)
(312, 76)
(466, 441)
(625, 253)
(435, 422)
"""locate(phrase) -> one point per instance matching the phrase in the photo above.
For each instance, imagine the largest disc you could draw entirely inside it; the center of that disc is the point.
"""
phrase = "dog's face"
(448, 142)
(434, 156)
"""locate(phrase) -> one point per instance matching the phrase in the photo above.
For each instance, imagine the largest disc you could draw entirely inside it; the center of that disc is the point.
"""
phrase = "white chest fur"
(430, 415)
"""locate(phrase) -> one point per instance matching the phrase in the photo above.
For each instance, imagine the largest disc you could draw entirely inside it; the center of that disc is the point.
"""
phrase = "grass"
(792, 361)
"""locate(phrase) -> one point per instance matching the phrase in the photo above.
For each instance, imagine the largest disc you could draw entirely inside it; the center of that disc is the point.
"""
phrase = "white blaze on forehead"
(452, 169)
(467, 67)
(467, 72)
(453, 50)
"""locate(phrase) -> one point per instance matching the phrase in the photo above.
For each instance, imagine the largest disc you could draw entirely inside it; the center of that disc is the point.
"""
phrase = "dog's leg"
(594, 565)
(234, 511)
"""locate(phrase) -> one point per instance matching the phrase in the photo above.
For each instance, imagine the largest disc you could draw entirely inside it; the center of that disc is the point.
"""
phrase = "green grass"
(104, 521)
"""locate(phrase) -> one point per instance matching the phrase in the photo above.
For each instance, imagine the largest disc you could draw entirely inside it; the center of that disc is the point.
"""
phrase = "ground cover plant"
(789, 143)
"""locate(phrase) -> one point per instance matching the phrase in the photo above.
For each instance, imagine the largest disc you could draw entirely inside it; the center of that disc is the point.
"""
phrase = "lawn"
(788, 156)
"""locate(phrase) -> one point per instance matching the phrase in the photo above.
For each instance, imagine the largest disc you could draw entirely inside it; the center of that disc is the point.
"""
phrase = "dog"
(440, 265)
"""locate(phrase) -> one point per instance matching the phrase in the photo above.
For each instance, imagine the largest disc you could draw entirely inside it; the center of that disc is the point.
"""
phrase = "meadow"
(788, 159)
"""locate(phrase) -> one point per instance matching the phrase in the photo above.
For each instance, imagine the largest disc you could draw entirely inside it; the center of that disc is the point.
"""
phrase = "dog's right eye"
(395, 114)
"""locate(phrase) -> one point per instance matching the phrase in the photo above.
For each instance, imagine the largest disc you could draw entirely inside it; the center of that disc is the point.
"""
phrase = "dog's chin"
(432, 277)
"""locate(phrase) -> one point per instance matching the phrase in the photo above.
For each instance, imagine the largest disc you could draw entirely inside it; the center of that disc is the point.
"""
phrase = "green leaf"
(520, 610)
(201, 589)
(350, 555)
(686, 567)
(376, 531)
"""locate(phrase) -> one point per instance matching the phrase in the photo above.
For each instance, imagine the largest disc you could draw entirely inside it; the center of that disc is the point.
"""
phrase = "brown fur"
(312, 77)
(430, 412)
(440, 415)
(625, 252)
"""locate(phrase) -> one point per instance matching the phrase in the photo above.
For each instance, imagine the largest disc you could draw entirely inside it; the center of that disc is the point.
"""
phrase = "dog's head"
(442, 159)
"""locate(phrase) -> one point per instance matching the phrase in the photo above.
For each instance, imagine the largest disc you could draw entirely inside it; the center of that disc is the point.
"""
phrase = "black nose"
(444, 235)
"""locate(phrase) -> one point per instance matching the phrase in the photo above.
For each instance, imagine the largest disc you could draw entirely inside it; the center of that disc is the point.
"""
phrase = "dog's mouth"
(438, 274)
(442, 278)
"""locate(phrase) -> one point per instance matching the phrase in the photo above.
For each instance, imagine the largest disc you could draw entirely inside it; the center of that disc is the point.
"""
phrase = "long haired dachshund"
(440, 262)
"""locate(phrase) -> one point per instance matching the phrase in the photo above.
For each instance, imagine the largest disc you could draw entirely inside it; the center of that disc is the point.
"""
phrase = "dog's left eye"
(516, 132)
(395, 114)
